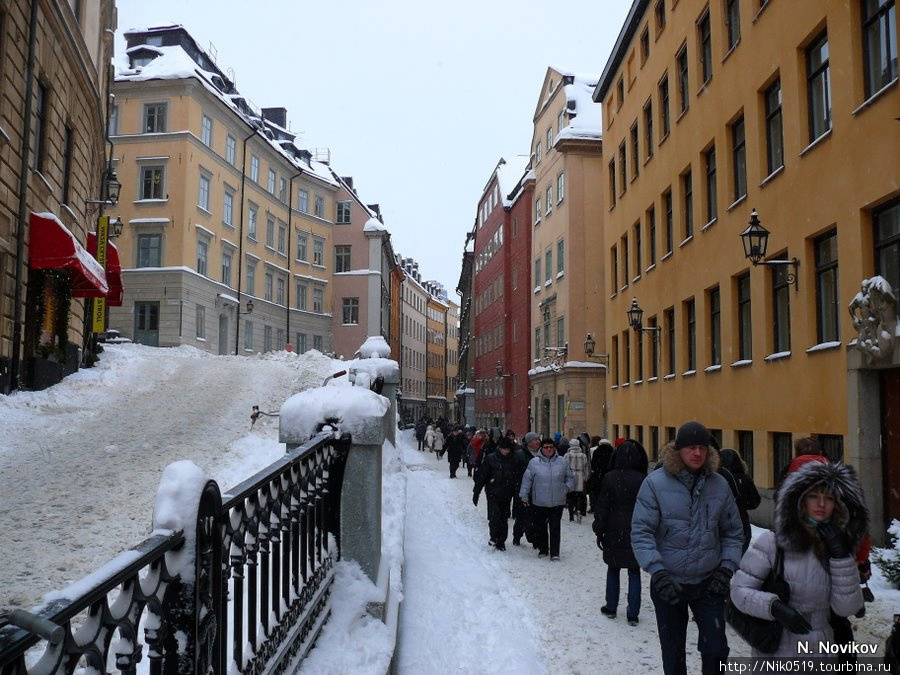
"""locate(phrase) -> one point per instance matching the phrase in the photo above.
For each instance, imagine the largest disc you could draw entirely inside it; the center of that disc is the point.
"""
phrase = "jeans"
(634, 591)
(545, 521)
(672, 621)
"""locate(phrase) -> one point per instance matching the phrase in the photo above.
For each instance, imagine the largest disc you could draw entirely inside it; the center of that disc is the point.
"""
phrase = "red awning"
(113, 270)
(52, 246)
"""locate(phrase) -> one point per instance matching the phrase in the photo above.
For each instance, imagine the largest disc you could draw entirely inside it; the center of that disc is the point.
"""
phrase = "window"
(652, 323)
(318, 300)
(879, 44)
(537, 344)
(202, 256)
(254, 168)
(670, 221)
(645, 44)
(267, 338)
(614, 269)
(251, 278)
(612, 183)
(343, 212)
(669, 320)
(230, 145)
(638, 253)
(149, 250)
(152, 179)
(548, 266)
(648, 128)
(560, 187)
(537, 210)
(705, 44)
(832, 446)
(620, 91)
(681, 60)
(626, 356)
(282, 238)
(687, 187)
(303, 200)
(537, 272)
(886, 221)
(715, 327)
(827, 292)
(560, 331)
(623, 168)
(781, 308)
(318, 251)
(228, 208)
(561, 121)
(664, 119)
(560, 257)
(625, 260)
(745, 449)
(739, 158)
(248, 335)
(270, 230)
(67, 164)
(635, 151)
(774, 136)
(302, 290)
(112, 124)
(549, 199)
(745, 332)
(659, 11)
(268, 286)
(711, 195)
(206, 130)
(203, 198)
(690, 315)
(538, 154)
(733, 22)
(226, 268)
(818, 86)
(270, 184)
(155, 118)
(319, 205)
(549, 138)
(302, 249)
(279, 290)
(282, 190)
(651, 233)
(201, 322)
(252, 219)
(342, 258)
(301, 343)
(318, 342)
(350, 311)
(784, 453)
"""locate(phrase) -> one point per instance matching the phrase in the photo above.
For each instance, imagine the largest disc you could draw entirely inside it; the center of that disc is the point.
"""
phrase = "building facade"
(53, 160)
(568, 294)
(716, 115)
(228, 241)
(436, 351)
(413, 343)
(451, 373)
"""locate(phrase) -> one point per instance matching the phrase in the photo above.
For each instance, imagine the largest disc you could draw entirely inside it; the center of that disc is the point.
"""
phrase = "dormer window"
(142, 60)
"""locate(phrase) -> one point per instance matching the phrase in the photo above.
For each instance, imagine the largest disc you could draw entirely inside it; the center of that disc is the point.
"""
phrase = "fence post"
(361, 498)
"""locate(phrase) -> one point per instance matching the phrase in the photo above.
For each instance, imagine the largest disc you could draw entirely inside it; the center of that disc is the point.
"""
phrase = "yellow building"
(716, 112)
(53, 160)
(567, 257)
(436, 350)
(222, 210)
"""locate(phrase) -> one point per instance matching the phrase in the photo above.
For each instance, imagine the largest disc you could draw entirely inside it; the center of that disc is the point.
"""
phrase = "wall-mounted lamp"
(249, 308)
(115, 228)
(109, 192)
(636, 319)
(589, 346)
(756, 240)
(499, 369)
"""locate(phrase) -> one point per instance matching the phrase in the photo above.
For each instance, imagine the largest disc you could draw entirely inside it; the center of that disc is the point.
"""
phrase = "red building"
(501, 297)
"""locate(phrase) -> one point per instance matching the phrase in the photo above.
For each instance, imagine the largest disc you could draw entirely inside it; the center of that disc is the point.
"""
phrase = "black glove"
(475, 499)
(720, 581)
(600, 541)
(666, 587)
(790, 618)
(835, 541)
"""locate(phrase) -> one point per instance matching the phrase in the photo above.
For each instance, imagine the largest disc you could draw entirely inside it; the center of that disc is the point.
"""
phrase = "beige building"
(451, 376)
(53, 159)
(228, 224)
(714, 113)
(567, 257)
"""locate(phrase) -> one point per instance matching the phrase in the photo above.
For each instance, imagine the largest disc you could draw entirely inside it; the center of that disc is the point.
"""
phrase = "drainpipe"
(23, 196)
(290, 229)
(240, 265)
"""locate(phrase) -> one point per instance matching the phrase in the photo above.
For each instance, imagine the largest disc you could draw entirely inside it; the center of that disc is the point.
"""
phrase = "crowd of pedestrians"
(685, 522)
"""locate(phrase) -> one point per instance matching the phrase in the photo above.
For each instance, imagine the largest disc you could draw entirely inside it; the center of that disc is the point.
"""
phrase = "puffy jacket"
(547, 481)
(580, 466)
(498, 475)
(615, 506)
(686, 524)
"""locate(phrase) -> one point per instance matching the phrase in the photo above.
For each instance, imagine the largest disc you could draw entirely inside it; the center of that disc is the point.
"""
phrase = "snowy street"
(80, 464)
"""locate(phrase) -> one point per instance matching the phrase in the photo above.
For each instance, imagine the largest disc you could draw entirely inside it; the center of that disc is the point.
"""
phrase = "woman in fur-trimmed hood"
(820, 519)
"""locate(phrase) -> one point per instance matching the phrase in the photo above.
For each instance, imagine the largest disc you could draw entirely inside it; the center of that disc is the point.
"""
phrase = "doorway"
(223, 334)
(146, 323)
(890, 438)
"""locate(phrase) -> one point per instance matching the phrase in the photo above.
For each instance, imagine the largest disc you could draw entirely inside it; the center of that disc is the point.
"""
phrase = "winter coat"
(600, 459)
(819, 584)
(473, 451)
(429, 436)
(420, 431)
(456, 446)
(498, 475)
(578, 462)
(547, 481)
(438, 439)
(746, 496)
(615, 507)
(686, 524)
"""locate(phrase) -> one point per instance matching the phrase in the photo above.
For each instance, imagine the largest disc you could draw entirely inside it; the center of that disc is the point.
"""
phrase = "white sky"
(417, 101)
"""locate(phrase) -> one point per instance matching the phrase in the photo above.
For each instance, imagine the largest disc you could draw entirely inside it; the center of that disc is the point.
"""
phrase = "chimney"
(276, 116)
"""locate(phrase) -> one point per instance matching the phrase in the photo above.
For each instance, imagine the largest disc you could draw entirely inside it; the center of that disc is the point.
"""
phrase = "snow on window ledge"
(713, 368)
(824, 346)
(777, 356)
(689, 373)
(560, 274)
(742, 363)
(670, 376)
(537, 289)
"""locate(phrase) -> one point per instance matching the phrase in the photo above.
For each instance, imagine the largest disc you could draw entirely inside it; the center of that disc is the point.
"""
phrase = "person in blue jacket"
(686, 532)
(545, 484)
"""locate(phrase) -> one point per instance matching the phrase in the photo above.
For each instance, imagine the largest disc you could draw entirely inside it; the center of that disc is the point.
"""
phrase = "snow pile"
(175, 508)
(352, 407)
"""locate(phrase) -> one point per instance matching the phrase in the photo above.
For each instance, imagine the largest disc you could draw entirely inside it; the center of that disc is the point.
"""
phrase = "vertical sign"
(100, 303)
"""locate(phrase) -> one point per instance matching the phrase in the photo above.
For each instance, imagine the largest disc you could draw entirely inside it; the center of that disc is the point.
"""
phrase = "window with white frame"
(155, 118)
(560, 187)
(201, 322)
(254, 168)
(270, 185)
(302, 293)
(282, 238)
(548, 266)
(267, 339)
(302, 246)
(343, 212)
(342, 258)
(318, 251)
(879, 44)
(303, 200)
(228, 208)
(319, 205)
(226, 267)
(203, 194)
(538, 153)
(269, 286)
(202, 255)
(350, 311)
(248, 335)
(279, 290)
(270, 230)
(282, 190)
(561, 121)
(318, 300)
(827, 293)
(818, 85)
(206, 130)
(230, 146)
(252, 221)
(560, 257)
(549, 138)
(549, 199)
(537, 210)
(251, 278)
(153, 182)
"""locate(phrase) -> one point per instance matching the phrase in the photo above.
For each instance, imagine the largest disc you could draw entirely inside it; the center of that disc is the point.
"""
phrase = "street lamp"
(499, 369)
(109, 192)
(756, 240)
(589, 346)
(249, 308)
(636, 318)
(115, 228)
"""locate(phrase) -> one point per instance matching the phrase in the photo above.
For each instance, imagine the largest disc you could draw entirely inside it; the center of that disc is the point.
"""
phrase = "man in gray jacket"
(686, 533)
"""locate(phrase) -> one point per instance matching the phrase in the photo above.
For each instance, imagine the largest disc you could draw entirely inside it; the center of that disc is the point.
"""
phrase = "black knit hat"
(691, 433)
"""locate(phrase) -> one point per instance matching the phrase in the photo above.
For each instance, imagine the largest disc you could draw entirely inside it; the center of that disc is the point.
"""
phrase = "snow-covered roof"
(374, 225)
(585, 116)
(509, 174)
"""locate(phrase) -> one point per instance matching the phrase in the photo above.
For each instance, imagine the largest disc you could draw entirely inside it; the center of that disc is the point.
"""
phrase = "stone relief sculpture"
(874, 314)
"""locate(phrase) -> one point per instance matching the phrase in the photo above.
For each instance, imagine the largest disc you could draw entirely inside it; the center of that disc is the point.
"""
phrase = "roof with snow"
(509, 173)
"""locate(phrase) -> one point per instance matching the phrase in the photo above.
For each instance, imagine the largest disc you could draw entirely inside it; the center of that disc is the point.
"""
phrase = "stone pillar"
(361, 499)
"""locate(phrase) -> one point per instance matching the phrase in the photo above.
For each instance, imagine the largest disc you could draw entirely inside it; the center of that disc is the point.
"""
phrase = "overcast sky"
(416, 100)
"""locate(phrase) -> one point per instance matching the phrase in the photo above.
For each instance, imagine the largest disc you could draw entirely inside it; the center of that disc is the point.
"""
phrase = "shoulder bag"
(764, 635)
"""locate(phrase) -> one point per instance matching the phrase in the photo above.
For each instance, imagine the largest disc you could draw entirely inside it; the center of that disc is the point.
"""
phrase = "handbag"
(764, 635)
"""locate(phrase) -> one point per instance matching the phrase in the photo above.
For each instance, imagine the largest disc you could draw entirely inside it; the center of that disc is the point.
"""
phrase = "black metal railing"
(260, 562)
